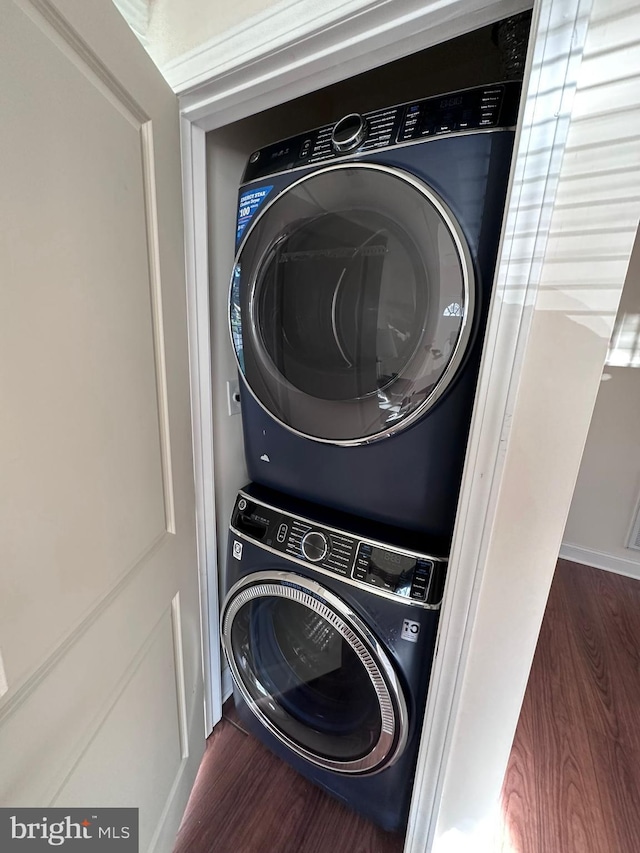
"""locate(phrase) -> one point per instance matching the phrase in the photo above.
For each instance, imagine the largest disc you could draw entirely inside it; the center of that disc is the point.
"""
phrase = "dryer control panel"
(404, 574)
(479, 108)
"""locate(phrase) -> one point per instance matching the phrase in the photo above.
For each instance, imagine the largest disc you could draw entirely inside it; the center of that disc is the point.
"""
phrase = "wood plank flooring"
(573, 780)
(246, 800)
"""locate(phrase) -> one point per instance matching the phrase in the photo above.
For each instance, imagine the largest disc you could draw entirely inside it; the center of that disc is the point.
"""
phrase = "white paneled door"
(100, 660)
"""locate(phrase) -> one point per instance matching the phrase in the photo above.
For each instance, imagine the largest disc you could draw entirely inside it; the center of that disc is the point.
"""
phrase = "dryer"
(359, 296)
(330, 636)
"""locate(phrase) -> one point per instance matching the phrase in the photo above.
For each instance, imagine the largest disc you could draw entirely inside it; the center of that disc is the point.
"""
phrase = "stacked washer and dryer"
(365, 259)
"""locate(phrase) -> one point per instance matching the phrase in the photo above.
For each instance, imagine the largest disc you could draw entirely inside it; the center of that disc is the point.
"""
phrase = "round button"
(314, 546)
(242, 504)
(254, 157)
(348, 133)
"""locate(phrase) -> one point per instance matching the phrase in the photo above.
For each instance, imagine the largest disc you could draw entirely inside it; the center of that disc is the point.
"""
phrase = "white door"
(100, 669)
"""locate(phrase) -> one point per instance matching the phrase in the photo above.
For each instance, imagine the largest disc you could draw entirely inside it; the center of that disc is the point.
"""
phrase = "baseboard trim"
(600, 560)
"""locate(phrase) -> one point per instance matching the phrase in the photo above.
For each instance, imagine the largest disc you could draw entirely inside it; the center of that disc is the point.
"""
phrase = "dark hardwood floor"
(245, 800)
(573, 780)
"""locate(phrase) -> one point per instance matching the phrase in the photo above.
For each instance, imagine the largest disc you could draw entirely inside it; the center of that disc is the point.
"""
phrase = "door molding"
(194, 193)
(256, 77)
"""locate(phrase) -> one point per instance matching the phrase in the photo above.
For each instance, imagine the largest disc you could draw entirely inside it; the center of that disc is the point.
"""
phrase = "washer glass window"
(350, 303)
(310, 677)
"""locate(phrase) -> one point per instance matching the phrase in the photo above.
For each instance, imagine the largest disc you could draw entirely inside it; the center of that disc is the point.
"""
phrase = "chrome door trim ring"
(468, 279)
(392, 704)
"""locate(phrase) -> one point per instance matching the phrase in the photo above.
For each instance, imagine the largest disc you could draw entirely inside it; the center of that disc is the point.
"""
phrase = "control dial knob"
(348, 133)
(314, 546)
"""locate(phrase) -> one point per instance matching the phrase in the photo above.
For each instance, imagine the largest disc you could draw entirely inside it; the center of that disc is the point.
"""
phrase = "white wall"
(179, 26)
(608, 486)
(168, 29)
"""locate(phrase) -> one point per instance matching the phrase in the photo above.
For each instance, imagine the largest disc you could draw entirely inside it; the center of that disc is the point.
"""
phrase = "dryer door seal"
(352, 303)
(313, 674)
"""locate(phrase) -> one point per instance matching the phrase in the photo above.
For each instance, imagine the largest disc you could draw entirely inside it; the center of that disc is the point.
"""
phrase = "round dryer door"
(312, 673)
(352, 301)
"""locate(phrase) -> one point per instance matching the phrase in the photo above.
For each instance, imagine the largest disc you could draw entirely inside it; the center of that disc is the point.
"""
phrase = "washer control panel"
(406, 574)
(473, 108)
(480, 108)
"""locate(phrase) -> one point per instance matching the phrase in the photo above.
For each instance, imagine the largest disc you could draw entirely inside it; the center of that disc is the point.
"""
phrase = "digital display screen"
(460, 111)
(447, 103)
(390, 563)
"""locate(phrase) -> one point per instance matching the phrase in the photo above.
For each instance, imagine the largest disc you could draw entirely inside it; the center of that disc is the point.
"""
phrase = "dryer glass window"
(306, 678)
(351, 303)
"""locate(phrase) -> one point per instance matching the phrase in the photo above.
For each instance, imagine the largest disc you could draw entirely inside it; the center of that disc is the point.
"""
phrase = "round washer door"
(352, 301)
(313, 674)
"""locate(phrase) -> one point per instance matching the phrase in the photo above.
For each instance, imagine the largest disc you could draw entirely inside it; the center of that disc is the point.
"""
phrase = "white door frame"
(194, 191)
(240, 74)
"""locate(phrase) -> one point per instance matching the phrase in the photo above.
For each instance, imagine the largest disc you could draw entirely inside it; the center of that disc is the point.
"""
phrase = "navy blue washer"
(403, 475)
(338, 708)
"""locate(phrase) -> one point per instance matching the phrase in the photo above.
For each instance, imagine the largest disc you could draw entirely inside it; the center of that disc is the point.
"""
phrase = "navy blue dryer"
(359, 298)
(330, 638)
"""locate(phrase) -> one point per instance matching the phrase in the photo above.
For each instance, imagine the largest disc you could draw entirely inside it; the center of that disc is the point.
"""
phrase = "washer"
(330, 637)
(359, 298)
